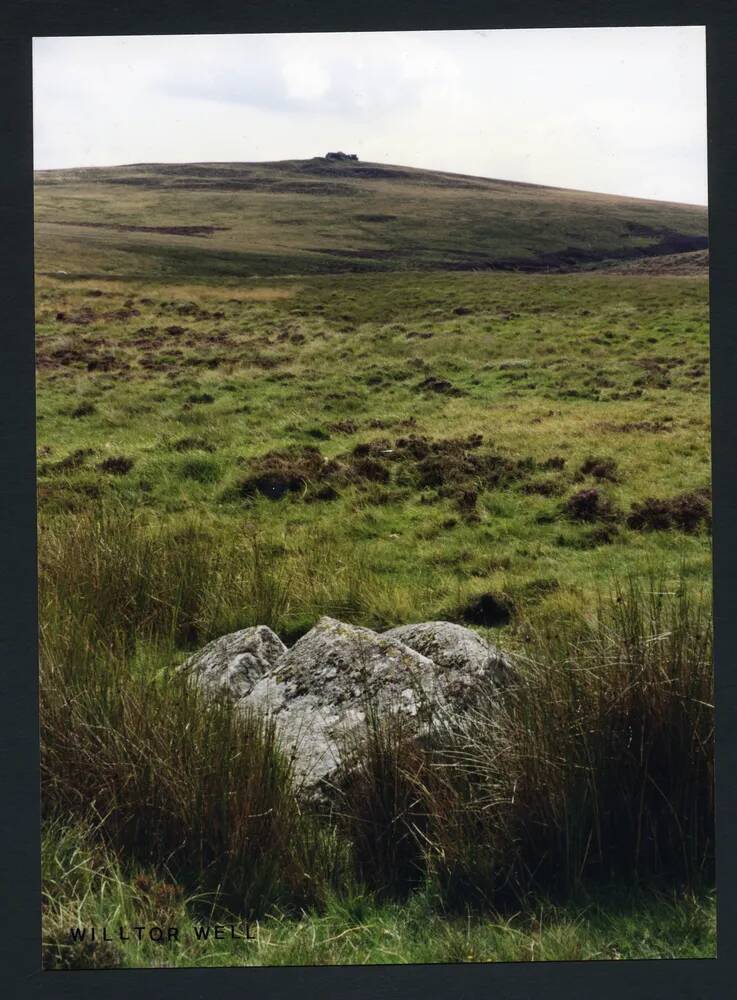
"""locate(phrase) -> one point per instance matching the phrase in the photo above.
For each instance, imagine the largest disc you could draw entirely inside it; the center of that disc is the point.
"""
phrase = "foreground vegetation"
(524, 453)
(595, 769)
(84, 886)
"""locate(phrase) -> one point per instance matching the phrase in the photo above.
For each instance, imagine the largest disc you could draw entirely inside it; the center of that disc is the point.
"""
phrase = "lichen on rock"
(321, 690)
(235, 662)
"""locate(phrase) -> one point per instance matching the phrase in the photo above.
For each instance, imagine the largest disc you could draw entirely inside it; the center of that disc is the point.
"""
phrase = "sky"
(616, 110)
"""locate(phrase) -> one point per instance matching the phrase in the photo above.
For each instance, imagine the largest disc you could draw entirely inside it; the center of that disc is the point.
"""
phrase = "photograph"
(374, 486)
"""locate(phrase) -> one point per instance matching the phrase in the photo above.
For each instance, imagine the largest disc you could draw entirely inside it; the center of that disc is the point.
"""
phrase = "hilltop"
(202, 220)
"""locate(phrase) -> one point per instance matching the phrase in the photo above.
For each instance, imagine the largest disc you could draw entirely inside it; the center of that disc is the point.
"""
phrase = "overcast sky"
(620, 110)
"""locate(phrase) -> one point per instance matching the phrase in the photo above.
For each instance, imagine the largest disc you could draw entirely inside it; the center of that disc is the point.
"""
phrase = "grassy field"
(458, 441)
(344, 401)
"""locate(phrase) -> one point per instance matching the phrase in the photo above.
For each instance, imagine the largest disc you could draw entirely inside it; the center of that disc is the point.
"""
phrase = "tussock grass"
(86, 886)
(118, 579)
(596, 764)
(599, 763)
(167, 779)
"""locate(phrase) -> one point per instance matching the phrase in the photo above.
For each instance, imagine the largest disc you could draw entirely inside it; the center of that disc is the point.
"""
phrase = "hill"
(202, 220)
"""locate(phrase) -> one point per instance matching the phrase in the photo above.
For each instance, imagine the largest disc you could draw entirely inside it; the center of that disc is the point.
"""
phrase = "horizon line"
(455, 173)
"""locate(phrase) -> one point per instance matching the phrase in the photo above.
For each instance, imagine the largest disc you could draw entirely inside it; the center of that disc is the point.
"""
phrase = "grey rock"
(320, 689)
(345, 661)
(463, 656)
(235, 662)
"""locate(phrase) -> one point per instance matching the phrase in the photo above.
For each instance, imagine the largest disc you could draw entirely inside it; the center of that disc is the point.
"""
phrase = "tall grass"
(166, 777)
(122, 578)
(84, 886)
(595, 764)
(164, 774)
(114, 578)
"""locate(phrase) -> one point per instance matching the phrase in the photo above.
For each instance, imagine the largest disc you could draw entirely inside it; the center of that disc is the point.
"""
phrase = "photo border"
(20, 931)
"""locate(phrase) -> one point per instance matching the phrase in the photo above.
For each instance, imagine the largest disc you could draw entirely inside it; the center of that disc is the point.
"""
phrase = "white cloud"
(306, 78)
(612, 109)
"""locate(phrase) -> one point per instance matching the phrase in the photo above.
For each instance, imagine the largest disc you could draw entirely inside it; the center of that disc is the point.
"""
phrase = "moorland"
(267, 392)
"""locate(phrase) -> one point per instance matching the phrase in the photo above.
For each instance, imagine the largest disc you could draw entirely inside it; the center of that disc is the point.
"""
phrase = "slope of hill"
(315, 216)
(674, 265)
